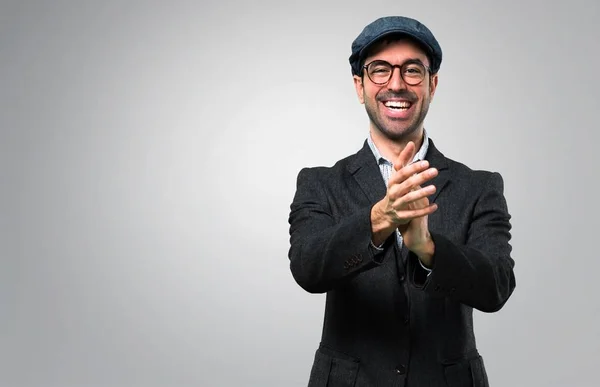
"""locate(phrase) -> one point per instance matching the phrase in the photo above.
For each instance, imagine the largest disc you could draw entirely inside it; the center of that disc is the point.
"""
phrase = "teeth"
(398, 104)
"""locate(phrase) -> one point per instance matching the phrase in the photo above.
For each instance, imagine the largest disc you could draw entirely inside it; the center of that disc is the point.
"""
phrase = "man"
(404, 249)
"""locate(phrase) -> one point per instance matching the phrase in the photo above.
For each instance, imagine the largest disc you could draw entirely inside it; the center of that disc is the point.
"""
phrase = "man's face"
(382, 101)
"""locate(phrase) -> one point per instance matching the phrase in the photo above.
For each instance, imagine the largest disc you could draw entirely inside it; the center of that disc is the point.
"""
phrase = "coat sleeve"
(480, 272)
(326, 251)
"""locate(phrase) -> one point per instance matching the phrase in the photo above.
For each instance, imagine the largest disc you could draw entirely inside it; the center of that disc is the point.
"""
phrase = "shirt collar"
(420, 155)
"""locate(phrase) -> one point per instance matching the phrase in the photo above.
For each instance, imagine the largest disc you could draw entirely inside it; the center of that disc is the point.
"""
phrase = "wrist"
(426, 252)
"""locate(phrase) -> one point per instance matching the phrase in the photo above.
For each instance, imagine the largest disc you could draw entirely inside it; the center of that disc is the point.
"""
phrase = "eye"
(380, 70)
(413, 70)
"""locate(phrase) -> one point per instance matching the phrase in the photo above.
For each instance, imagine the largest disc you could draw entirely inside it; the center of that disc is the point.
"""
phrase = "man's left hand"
(415, 234)
(416, 238)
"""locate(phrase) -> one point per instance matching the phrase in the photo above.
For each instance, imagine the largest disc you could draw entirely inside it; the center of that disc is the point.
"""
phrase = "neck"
(390, 149)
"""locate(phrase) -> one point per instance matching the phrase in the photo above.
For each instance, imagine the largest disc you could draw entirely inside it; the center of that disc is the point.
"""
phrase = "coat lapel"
(365, 170)
(437, 160)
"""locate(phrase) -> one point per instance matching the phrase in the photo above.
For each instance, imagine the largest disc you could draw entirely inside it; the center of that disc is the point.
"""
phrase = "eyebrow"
(414, 60)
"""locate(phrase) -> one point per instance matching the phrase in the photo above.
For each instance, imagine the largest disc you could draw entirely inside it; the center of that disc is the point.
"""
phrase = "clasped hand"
(406, 205)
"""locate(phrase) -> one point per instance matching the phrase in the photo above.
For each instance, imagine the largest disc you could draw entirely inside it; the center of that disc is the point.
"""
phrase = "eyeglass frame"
(410, 61)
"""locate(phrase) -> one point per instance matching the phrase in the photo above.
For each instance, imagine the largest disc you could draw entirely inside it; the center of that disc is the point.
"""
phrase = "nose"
(396, 82)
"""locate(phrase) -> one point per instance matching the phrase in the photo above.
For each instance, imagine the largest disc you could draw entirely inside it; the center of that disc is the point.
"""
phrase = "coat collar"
(365, 170)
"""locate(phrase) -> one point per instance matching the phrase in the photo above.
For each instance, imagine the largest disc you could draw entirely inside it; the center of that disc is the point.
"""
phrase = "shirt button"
(401, 369)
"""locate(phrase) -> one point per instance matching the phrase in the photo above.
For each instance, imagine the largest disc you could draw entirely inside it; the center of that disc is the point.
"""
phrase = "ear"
(433, 85)
(358, 85)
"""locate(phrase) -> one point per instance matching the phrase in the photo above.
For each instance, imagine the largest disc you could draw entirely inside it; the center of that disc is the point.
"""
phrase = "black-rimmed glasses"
(412, 72)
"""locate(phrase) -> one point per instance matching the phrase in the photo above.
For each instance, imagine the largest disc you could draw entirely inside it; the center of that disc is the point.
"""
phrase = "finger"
(410, 214)
(415, 196)
(408, 171)
(405, 156)
(412, 183)
(417, 180)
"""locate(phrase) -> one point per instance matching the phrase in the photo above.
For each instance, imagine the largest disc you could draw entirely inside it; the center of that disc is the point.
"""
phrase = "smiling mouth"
(398, 105)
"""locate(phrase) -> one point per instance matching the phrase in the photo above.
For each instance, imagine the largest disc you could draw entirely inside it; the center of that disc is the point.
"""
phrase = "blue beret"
(389, 25)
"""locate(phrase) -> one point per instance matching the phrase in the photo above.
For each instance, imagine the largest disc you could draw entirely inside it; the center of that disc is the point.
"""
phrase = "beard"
(394, 128)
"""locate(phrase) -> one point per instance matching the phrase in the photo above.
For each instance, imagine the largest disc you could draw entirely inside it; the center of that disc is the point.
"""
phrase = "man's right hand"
(403, 201)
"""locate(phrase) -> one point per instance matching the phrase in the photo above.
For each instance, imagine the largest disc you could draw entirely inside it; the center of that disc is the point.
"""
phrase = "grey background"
(148, 156)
